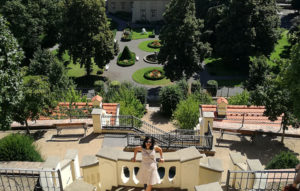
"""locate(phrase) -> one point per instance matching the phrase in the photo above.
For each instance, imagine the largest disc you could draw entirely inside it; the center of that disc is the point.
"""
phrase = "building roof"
(236, 114)
(97, 97)
(222, 100)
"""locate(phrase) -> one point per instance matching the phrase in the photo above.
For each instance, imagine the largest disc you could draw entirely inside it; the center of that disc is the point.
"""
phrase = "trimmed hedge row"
(126, 62)
(148, 77)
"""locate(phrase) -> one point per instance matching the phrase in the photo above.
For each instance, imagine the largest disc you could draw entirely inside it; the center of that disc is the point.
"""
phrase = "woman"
(148, 174)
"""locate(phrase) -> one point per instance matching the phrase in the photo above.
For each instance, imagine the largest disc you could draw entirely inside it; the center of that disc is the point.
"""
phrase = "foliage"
(116, 48)
(247, 28)
(34, 23)
(196, 86)
(18, 147)
(126, 54)
(86, 34)
(10, 76)
(141, 94)
(40, 64)
(170, 96)
(72, 96)
(212, 87)
(183, 49)
(99, 87)
(129, 104)
(292, 79)
(283, 160)
(138, 77)
(257, 73)
(126, 36)
(240, 99)
(184, 87)
(37, 100)
(156, 74)
(187, 111)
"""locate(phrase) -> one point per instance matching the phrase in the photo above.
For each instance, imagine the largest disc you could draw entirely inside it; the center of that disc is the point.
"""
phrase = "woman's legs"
(149, 187)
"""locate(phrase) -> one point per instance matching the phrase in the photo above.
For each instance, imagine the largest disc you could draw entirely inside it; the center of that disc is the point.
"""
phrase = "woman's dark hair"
(290, 188)
(152, 142)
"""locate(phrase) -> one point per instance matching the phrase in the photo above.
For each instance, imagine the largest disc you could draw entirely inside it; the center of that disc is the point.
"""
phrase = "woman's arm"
(158, 149)
(137, 149)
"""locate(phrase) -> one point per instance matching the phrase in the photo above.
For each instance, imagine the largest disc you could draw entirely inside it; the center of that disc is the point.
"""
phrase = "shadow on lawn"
(88, 81)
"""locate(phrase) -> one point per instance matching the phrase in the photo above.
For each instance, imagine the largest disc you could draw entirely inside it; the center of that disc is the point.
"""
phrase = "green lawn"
(144, 46)
(136, 34)
(74, 70)
(138, 76)
(281, 49)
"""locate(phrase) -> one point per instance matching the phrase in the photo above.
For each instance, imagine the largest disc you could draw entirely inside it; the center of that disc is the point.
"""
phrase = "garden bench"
(252, 134)
(61, 126)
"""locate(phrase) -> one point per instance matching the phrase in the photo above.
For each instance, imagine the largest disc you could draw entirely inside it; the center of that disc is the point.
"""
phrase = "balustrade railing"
(30, 179)
(179, 138)
(266, 180)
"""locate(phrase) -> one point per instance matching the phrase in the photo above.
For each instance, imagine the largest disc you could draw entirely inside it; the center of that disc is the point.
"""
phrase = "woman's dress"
(148, 174)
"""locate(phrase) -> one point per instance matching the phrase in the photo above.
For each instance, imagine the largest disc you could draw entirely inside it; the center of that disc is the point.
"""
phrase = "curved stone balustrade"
(181, 169)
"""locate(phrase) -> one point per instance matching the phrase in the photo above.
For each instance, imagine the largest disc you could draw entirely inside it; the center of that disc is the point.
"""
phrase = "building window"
(123, 5)
(113, 5)
(153, 12)
(143, 14)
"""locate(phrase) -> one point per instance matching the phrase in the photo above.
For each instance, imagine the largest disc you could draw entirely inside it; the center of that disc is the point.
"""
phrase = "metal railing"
(259, 180)
(13, 179)
(179, 138)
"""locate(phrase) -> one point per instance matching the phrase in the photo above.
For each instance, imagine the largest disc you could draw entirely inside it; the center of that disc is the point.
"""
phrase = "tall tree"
(86, 34)
(182, 50)
(248, 28)
(10, 77)
(296, 5)
(37, 100)
(34, 23)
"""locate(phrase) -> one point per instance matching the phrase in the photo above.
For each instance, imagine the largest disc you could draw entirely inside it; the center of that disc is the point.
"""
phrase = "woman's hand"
(161, 160)
(133, 159)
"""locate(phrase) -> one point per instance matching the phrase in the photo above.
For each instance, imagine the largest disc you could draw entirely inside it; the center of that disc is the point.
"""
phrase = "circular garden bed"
(150, 76)
(151, 59)
(144, 46)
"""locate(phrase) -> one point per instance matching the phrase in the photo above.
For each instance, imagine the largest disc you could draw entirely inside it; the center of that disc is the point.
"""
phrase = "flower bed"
(154, 44)
(126, 62)
(126, 36)
(156, 74)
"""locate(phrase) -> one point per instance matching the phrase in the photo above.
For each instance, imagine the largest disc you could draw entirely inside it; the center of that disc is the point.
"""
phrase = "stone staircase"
(124, 188)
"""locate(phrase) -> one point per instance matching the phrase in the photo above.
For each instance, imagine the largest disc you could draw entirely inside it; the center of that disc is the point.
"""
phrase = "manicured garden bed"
(139, 77)
(126, 58)
(144, 46)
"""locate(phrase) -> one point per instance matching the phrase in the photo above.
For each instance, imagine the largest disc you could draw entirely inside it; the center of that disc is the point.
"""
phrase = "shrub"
(17, 147)
(116, 48)
(283, 160)
(129, 104)
(184, 87)
(196, 86)
(170, 96)
(240, 99)
(202, 97)
(126, 36)
(156, 74)
(126, 58)
(141, 94)
(187, 113)
(99, 87)
(212, 87)
(115, 84)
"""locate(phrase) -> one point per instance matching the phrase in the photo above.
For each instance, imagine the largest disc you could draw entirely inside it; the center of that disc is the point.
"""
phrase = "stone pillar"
(208, 118)
(96, 115)
(72, 154)
(97, 101)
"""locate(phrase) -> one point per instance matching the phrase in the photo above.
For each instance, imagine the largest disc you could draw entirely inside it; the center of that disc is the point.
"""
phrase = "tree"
(187, 111)
(182, 50)
(34, 23)
(126, 54)
(11, 57)
(170, 96)
(37, 100)
(240, 99)
(248, 28)
(259, 69)
(18, 147)
(292, 79)
(296, 5)
(86, 34)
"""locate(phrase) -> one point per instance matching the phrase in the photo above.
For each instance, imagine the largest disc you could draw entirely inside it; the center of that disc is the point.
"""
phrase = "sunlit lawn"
(281, 49)
(144, 46)
(138, 76)
(137, 34)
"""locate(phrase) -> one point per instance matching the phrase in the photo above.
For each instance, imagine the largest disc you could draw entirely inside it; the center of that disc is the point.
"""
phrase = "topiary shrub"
(212, 87)
(126, 58)
(170, 96)
(156, 74)
(184, 87)
(17, 147)
(196, 86)
(283, 160)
